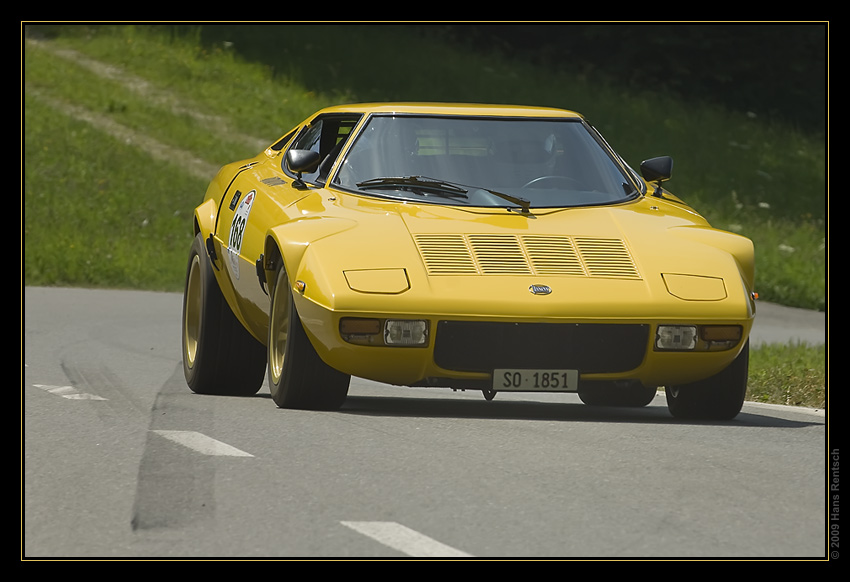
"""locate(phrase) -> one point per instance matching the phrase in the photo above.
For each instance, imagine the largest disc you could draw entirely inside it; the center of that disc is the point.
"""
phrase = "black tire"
(631, 395)
(298, 378)
(219, 355)
(719, 397)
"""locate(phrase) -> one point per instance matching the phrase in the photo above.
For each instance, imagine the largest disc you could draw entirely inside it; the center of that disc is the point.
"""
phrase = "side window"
(326, 135)
(282, 141)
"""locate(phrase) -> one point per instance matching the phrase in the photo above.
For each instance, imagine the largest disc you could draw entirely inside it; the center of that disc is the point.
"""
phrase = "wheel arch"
(272, 260)
(739, 248)
(204, 218)
(287, 244)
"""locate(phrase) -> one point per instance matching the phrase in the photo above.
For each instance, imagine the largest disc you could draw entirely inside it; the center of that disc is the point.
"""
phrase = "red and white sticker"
(237, 230)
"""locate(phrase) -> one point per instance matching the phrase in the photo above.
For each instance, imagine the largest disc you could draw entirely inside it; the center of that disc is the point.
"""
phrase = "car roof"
(454, 109)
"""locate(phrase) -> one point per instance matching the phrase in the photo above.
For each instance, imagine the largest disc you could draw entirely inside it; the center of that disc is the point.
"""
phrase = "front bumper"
(463, 352)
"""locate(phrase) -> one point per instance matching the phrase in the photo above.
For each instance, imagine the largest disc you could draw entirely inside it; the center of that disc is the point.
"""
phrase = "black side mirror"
(657, 169)
(302, 160)
(299, 161)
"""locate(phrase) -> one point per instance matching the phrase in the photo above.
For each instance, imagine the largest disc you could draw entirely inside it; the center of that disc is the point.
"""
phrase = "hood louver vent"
(498, 254)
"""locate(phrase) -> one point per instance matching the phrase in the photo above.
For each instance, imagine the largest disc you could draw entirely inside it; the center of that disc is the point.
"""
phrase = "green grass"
(99, 211)
(791, 374)
(93, 217)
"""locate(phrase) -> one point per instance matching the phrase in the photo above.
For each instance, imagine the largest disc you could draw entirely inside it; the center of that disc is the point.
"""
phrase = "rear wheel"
(219, 355)
(298, 378)
(616, 394)
(719, 397)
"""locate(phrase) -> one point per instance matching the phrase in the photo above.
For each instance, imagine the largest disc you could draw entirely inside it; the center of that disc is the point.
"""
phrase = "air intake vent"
(606, 257)
(501, 254)
(446, 254)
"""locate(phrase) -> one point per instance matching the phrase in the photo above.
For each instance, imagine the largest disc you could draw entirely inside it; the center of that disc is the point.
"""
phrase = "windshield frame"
(633, 186)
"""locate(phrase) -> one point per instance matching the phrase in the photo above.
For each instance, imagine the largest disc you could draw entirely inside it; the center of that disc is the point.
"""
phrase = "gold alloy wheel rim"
(279, 328)
(192, 315)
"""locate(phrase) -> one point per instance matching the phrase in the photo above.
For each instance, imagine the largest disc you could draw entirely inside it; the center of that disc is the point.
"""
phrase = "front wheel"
(298, 378)
(719, 397)
(219, 355)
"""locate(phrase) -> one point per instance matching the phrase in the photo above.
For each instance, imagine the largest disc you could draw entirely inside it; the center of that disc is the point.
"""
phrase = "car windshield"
(484, 161)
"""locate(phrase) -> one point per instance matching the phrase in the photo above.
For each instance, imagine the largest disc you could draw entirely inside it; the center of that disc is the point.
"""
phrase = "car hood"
(647, 257)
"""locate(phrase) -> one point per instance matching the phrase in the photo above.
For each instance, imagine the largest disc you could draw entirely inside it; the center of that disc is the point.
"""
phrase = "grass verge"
(792, 374)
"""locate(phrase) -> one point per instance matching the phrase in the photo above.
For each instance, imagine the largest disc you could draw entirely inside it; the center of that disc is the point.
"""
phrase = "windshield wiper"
(415, 183)
(521, 202)
(439, 186)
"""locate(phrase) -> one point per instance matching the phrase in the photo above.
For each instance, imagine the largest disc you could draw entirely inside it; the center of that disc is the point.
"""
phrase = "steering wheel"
(551, 182)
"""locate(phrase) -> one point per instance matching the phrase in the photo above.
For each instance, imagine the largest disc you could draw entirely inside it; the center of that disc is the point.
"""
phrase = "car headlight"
(697, 338)
(676, 337)
(380, 332)
(400, 332)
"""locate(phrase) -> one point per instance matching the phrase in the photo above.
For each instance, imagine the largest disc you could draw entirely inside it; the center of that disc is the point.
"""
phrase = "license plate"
(507, 380)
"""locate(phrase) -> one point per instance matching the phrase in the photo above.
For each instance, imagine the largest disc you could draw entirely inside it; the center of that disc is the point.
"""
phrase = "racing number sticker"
(237, 230)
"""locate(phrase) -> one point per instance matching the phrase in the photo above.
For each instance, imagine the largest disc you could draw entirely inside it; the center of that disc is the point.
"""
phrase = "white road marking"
(404, 539)
(68, 392)
(201, 443)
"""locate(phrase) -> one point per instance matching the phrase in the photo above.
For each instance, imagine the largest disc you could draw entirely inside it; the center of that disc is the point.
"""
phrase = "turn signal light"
(353, 325)
(721, 333)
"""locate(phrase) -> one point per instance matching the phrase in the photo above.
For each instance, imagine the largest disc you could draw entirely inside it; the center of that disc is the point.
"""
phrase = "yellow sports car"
(474, 247)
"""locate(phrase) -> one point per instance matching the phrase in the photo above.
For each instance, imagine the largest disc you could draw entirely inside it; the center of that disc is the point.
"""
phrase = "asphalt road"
(121, 460)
